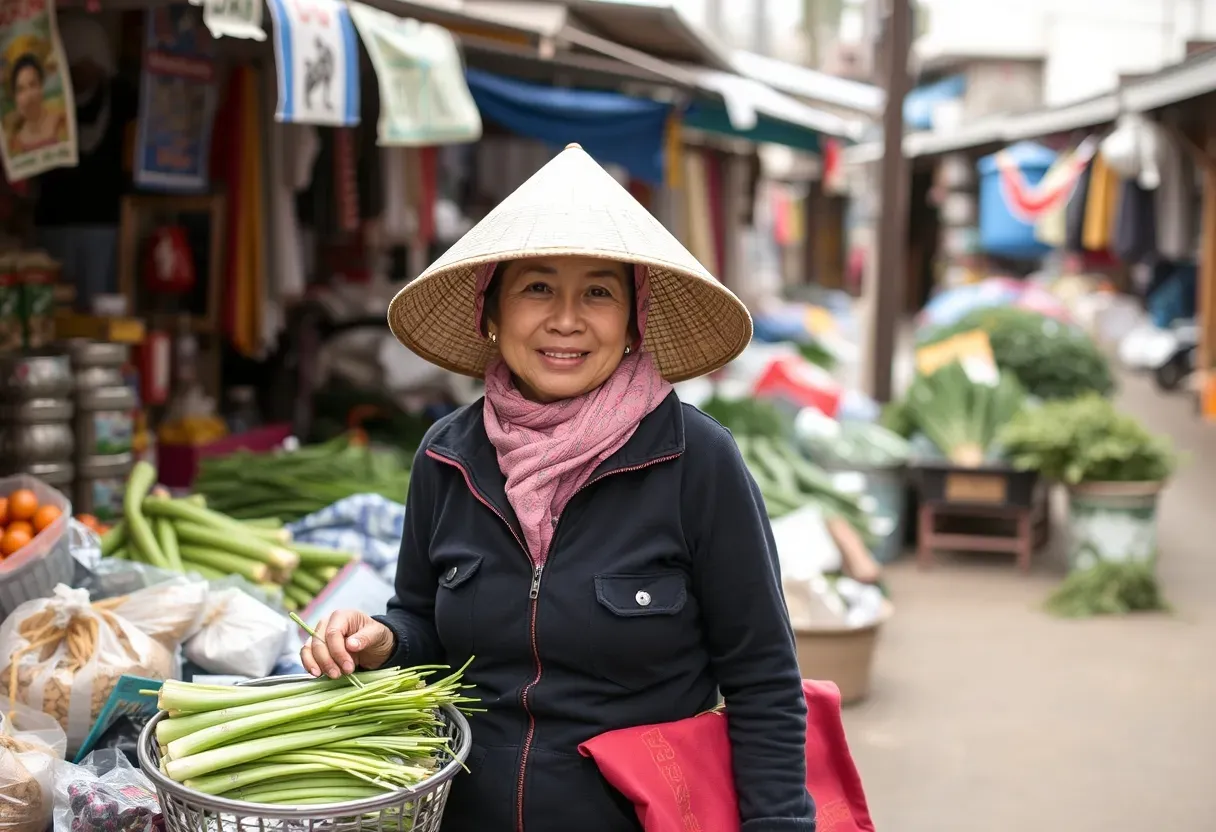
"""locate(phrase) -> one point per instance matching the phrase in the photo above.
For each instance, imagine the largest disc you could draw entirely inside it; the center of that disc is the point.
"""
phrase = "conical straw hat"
(573, 207)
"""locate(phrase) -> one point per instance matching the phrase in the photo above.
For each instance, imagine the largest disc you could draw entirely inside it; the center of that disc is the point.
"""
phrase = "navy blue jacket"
(661, 589)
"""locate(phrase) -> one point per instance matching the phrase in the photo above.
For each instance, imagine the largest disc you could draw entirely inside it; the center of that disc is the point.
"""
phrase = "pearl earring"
(493, 337)
(628, 350)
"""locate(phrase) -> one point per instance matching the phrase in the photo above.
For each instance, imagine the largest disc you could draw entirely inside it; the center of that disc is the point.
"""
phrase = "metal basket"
(417, 809)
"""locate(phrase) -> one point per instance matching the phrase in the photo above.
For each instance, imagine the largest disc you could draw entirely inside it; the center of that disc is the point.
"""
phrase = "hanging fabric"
(347, 187)
(1175, 200)
(317, 56)
(1101, 206)
(715, 174)
(425, 98)
(237, 163)
(234, 18)
(1074, 213)
(699, 225)
(1135, 236)
(1028, 202)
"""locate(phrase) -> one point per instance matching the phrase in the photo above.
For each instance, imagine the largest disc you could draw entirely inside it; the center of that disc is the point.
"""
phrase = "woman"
(34, 127)
(597, 546)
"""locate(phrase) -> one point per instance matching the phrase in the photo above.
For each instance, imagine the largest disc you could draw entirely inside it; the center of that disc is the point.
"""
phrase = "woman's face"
(27, 92)
(562, 323)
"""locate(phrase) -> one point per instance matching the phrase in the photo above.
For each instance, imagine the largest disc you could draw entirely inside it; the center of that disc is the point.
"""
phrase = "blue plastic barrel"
(1002, 231)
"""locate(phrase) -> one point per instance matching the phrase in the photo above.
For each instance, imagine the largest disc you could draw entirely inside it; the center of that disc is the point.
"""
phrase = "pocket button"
(643, 598)
(451, 575)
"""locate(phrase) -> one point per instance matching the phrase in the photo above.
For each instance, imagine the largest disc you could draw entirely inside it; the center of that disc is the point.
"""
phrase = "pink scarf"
(549, 451)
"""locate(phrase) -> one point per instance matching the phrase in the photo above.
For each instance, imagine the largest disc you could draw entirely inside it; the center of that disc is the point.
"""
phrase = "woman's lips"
(562, 359)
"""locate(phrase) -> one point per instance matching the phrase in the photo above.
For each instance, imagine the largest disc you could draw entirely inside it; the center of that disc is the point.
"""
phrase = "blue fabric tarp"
(613, 128)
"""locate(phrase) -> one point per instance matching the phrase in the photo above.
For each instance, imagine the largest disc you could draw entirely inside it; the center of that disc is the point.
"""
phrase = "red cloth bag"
(678, 774)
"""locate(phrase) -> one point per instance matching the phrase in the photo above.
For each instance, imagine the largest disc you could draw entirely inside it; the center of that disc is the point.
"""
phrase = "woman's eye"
(536, 287)
(600, 292)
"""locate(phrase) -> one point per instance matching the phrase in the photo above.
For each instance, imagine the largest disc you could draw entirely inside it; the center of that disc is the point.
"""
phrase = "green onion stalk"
(308, 743)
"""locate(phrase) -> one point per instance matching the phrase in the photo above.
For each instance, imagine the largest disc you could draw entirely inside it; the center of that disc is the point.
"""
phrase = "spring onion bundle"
(292, 484)
(185, 535)
(307, 743)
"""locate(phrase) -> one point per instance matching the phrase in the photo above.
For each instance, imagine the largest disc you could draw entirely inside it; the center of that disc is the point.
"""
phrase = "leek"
(308, 743)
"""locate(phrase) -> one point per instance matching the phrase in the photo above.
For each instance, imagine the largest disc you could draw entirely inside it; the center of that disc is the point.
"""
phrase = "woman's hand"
(348, 639)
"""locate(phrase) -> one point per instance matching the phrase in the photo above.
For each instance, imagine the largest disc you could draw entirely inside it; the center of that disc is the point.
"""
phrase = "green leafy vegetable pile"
(1107, 588)
(1051, 359)
(1086, 440)
(961, 416)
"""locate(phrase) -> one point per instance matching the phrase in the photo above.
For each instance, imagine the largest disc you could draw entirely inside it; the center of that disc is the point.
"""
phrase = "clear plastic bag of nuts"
(67, 654)
(31, 744)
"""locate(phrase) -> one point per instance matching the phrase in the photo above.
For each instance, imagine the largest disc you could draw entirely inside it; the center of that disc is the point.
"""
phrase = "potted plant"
(1114, 469)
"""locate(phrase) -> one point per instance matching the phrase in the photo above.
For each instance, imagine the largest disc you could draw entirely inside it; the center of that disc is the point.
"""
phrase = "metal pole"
(713, 17)
(887, 296)
(760, 28)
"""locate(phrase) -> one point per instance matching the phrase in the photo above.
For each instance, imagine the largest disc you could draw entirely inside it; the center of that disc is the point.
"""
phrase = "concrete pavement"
(988, 715)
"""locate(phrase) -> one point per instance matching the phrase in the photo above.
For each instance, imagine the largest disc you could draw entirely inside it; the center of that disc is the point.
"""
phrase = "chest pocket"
(640, 627)
(454, 601)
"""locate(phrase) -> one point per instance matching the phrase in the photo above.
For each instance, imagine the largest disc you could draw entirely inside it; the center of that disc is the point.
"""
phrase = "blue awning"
(920, 102)
(613, 128)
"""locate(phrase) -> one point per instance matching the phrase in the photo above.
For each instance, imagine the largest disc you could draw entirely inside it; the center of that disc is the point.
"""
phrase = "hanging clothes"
(1051, 228)
(1102, 205)
(715, 165)
(1175, 200)
(1074, 214)
(1135, 236)
(395, 222)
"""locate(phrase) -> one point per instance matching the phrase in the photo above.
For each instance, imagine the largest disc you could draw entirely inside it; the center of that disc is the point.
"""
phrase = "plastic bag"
(70, 653)
(170, 612)
(30, 745)
(105, 793)
(240, 636)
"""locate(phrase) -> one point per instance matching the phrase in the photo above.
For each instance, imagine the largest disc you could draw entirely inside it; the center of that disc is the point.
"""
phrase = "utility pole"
(887, 293)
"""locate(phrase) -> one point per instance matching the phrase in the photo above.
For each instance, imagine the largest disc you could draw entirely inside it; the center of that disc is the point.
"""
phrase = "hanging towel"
(1051, 229)
(1102, 205)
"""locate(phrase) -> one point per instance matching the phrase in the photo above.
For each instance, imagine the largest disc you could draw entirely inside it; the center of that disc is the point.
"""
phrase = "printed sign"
(972, 350)
(318, 61)
(37, 113)
(234, 19)
(424, 98)
(177, 104)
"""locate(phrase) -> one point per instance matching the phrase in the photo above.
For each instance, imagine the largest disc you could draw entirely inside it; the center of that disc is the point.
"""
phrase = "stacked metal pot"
(105, 427)
(37, 435)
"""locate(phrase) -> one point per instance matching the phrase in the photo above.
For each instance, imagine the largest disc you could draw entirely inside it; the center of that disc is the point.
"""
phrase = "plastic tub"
(34, 570)
(844, 655)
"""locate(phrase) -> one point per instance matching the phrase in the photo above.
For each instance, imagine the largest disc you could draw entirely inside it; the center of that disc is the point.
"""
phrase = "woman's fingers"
(306, 659)
(340, 625)
(320, 650)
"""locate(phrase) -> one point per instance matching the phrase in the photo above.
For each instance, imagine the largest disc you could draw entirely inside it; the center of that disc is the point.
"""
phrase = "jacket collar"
(463, 441)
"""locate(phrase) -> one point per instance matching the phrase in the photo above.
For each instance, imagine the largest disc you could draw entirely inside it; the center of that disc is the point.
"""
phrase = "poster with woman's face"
(37, 114)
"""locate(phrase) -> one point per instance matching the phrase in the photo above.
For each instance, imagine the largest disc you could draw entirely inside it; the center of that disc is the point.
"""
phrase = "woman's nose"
(567, 316)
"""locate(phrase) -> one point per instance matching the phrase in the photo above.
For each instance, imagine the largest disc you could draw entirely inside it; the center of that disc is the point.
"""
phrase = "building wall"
(1085, 44)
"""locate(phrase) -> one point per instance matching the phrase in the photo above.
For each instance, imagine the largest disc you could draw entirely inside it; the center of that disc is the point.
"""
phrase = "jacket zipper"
(538, 570)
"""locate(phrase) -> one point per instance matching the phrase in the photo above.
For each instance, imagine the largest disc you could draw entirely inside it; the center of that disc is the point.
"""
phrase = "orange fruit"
(45, 516)
(22, 504)
(3, 511)
(87, 520)
(22, 526)
(14, 539)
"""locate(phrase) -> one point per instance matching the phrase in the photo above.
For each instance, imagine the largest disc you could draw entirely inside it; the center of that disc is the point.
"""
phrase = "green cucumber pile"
(292, 484)
(789, 482)
(307, 743)
(185, 535)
